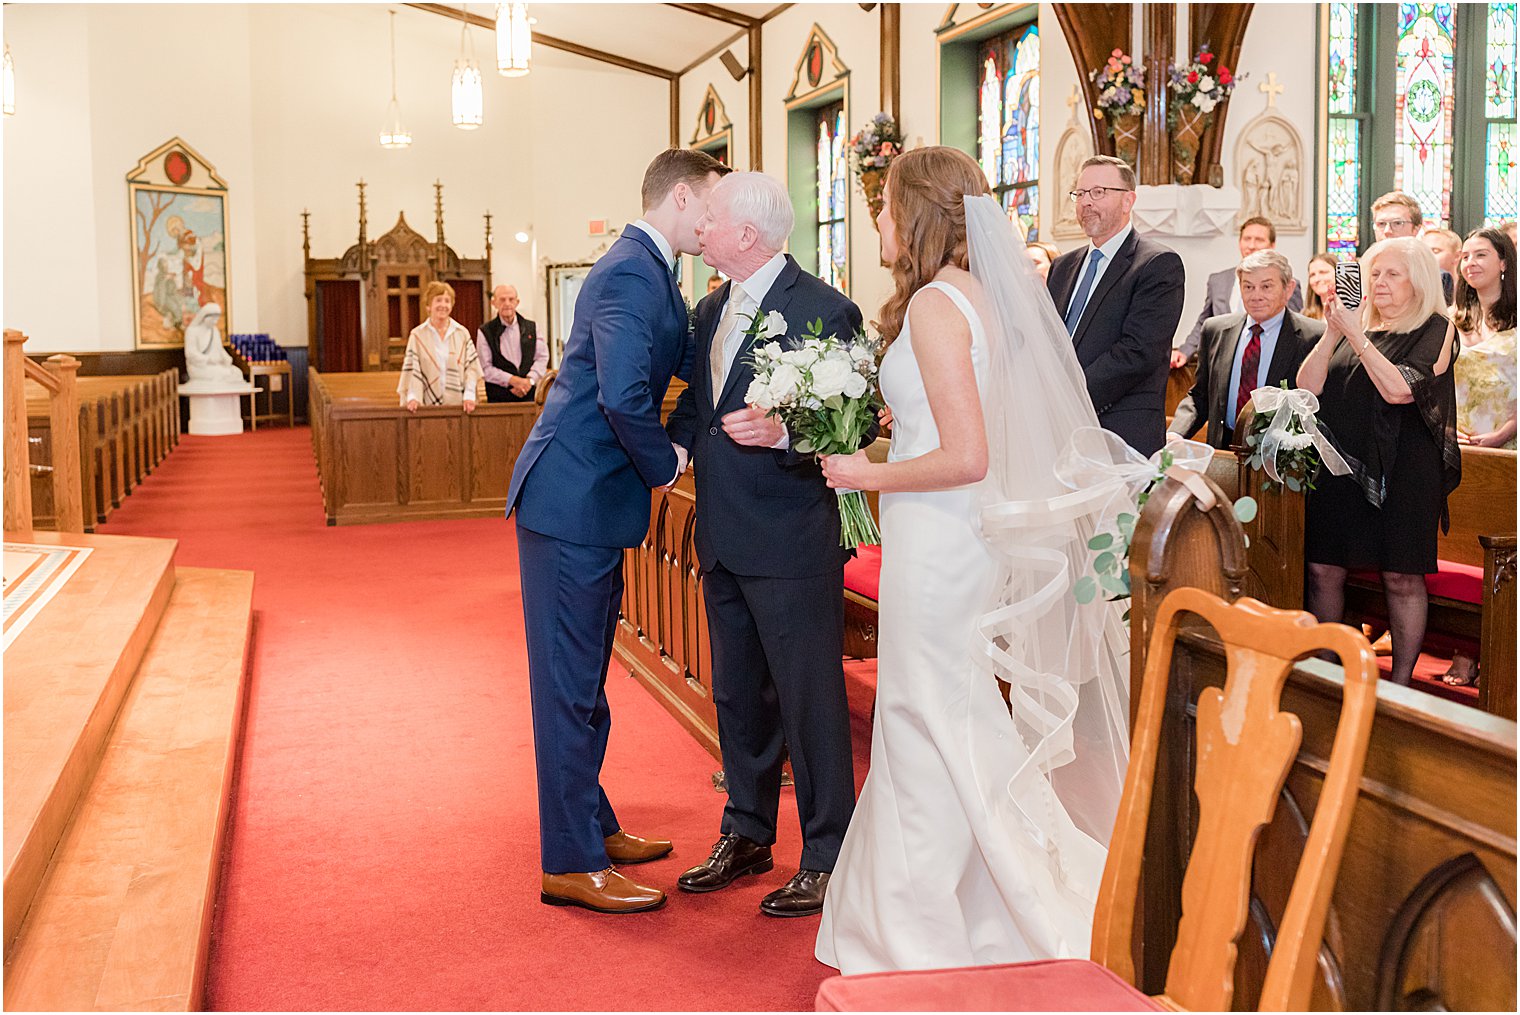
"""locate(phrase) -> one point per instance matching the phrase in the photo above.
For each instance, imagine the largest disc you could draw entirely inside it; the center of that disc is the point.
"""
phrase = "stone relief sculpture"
(1072, 149)
(1269, 159)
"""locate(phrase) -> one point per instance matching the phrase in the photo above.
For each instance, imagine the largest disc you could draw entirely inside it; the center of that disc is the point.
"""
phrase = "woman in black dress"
(1383, 377)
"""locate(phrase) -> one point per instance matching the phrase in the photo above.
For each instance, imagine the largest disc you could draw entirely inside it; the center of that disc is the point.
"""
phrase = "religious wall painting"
(1269, 172)
(564, 282)
(178, 208)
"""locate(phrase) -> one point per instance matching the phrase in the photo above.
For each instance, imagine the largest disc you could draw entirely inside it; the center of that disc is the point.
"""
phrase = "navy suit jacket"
(761, 512)
(598, 448)
(1124, 340)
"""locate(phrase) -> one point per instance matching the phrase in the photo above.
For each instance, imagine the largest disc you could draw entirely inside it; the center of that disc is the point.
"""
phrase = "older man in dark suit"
(1221, 294)
(1121, 298)
(1239, 353)
(767, 541)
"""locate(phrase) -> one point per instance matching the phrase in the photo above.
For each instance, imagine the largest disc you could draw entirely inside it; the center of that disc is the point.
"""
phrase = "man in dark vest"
(512, 356)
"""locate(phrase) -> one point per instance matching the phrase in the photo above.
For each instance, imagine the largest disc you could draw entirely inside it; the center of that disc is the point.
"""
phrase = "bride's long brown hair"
(928, 187)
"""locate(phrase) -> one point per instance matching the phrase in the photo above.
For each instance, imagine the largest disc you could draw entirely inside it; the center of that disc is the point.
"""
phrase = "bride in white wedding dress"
(979, 836)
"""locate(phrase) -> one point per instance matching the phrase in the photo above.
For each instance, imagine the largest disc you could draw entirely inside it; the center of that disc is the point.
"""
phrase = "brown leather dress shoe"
(733, 856)
(623, 848)
(604, 891)
(801, 896)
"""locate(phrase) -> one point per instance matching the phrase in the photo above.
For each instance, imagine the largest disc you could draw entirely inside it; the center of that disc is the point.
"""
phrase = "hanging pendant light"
(8, 101)
(468, 89)
(394, 135)
(514, 40)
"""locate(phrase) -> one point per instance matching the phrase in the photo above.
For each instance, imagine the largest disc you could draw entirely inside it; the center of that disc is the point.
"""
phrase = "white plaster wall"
(287, 101)
(733, 94)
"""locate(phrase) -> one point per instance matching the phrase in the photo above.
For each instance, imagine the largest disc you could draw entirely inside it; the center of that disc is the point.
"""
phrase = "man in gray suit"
(1222, 293)
(1259, 348)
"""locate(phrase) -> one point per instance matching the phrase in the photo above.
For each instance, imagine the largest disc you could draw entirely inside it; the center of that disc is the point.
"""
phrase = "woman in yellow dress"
(1484, 316)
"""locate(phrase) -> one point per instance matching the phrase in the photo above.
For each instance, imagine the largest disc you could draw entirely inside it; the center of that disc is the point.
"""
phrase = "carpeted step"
(122, 920)
(65, 675)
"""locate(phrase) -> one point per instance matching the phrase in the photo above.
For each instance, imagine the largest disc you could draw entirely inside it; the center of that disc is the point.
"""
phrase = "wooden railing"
(58, 376)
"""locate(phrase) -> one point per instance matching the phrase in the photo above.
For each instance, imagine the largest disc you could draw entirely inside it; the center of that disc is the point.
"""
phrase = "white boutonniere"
(772, 325)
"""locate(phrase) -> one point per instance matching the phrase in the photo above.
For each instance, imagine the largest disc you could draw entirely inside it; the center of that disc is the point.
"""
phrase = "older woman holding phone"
(1382, 374)
(441, 366)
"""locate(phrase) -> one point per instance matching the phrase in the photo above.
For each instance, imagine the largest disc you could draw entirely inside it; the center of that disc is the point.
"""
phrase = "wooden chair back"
(545, 382)
(1245, 748)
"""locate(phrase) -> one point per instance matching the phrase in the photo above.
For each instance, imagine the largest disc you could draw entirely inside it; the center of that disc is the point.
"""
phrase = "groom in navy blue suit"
(581, 492)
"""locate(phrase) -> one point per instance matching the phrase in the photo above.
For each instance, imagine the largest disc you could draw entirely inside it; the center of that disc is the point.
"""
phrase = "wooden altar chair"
(1246, 746)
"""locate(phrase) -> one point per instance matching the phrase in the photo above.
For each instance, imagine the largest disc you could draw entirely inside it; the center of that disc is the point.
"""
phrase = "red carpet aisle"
(384, 840)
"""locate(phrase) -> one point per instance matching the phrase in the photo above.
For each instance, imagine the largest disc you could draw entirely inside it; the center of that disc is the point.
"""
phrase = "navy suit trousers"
(571, 593)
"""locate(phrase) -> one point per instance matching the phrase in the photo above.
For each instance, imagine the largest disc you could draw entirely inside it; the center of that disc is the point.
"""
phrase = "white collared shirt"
(659, 241)
(1109, 249)
(756, 288)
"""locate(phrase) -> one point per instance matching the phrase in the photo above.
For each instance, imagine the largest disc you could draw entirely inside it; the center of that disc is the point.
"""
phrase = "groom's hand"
(753, 428)
(681, 463)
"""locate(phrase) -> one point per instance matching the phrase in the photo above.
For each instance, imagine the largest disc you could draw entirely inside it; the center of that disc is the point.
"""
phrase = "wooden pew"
(380, 463)
(127, 426)
(1423, 912)
(1472, 599)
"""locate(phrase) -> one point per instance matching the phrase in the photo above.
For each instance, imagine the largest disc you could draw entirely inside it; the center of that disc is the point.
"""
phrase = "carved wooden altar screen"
(362, 306)
(1093, 31)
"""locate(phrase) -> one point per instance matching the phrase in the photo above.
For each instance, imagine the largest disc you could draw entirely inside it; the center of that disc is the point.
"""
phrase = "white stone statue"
(206, 358)
(1268, 155)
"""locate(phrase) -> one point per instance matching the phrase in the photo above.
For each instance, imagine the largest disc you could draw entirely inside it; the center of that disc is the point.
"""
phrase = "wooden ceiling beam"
(735, 18)
(563, 45)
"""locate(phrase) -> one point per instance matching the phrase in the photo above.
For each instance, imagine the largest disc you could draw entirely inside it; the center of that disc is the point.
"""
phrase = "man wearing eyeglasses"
(1121, 299)
(1397, 214)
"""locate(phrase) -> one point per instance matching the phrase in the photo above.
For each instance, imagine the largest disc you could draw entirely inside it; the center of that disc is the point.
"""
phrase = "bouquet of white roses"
(824, 390)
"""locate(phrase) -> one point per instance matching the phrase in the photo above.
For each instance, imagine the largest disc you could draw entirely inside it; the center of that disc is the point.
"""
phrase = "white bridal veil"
(1054, 480)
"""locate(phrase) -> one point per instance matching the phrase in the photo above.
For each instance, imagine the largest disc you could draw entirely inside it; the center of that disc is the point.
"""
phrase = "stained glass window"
(1423, 105)
(833, 194)
(1344, 173)
(1008, 128)
(1500, 181)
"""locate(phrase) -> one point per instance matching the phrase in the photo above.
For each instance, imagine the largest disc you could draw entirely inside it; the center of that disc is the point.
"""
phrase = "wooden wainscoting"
(662, 634)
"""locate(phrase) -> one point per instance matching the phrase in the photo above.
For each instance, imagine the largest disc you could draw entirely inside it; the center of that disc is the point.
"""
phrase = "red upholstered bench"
(862, 587)
(1462, 583)
(1024, 986)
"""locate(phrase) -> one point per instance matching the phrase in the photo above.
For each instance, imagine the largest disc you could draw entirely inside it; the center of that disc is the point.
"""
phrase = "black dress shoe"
(732, 856)
(801, 896)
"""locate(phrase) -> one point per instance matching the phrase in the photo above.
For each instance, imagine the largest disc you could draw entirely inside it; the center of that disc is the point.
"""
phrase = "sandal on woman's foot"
(1463, 672)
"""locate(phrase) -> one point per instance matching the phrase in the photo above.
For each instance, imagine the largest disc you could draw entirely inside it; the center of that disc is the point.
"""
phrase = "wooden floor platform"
(65, 677)
(118, 916)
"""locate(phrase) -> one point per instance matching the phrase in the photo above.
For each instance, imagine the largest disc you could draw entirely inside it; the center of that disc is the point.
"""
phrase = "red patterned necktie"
(1250, 363)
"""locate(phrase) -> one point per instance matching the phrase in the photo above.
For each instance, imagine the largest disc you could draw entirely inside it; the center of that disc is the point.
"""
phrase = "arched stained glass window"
(833, 195)
(1450, 65)
(1008, 128)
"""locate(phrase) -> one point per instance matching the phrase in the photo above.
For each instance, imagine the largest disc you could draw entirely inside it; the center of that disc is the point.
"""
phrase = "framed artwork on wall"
(564, 286)
(178, 209)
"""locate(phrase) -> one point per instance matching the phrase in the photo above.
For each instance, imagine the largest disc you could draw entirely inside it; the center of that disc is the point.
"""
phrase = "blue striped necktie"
(1079, 301)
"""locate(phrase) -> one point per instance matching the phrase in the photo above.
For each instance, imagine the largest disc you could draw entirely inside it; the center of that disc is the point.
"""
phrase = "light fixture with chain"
(514, 40)
(394, 135)
(469, 100)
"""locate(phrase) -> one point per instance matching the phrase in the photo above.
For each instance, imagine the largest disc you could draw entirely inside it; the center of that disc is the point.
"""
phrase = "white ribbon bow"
(1287, 405)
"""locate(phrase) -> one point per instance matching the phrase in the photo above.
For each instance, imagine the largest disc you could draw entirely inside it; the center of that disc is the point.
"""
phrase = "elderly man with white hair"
(767, 540)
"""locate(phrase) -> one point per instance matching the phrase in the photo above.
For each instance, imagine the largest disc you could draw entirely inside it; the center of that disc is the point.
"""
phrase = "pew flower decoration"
(824, 389)
(1132, 479)
(1285, 440)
